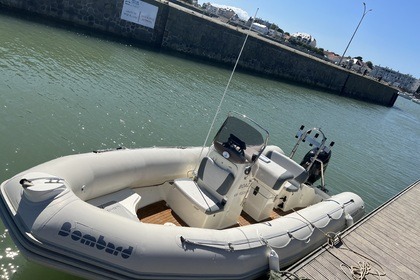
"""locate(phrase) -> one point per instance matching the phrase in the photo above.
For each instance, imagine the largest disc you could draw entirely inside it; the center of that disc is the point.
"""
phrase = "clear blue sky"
(388, 36)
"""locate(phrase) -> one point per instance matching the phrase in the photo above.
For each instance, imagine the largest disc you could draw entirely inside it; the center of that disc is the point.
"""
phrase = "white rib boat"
(233, 210)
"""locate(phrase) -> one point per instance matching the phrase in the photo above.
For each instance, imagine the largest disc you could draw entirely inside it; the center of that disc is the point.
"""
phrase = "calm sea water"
(63, 93)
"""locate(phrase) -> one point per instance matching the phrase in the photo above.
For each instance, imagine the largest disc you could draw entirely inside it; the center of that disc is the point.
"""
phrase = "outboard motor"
(320, 163)
(316, 160)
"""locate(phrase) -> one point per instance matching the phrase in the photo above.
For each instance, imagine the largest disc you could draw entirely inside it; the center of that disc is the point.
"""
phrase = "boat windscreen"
(243, 136)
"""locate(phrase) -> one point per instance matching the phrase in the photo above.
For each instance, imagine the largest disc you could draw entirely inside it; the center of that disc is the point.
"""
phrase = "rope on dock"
(359, 271)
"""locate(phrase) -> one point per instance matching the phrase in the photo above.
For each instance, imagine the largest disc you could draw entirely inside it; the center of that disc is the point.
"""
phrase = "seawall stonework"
(187, 32)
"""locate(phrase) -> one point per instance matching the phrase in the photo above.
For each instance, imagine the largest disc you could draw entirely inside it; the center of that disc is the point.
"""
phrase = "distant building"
(211, 9)
(260, 28)
(415, 86)
(275, 34)
(403, 81)
(304, 38)
(225, 14)
(332, 56)
(356, 65)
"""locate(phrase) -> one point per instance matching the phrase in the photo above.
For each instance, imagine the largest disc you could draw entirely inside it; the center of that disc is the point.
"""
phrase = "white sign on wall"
(139, 12)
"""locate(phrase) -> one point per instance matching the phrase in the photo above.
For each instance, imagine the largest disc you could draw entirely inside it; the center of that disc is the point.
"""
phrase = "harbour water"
(62, 92)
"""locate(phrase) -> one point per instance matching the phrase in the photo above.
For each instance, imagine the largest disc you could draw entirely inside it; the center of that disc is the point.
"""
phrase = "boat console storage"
(235, 176)
(281, 183)
(214, 198)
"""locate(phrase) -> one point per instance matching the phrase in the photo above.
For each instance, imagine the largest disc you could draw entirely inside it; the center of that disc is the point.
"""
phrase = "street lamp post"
(364, 13)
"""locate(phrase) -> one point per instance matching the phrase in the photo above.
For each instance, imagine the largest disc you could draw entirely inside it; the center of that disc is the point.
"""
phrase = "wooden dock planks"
(387, 239)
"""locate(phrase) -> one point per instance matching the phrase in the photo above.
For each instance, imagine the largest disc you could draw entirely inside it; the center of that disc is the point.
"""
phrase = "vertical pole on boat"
(226, 89)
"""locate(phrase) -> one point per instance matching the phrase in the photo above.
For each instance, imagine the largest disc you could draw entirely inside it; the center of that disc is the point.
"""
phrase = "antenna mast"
(226, 89)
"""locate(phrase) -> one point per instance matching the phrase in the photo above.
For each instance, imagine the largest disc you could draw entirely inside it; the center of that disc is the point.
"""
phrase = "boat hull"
(61, 226)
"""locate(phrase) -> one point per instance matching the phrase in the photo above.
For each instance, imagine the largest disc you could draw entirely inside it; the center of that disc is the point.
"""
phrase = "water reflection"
(8, 255)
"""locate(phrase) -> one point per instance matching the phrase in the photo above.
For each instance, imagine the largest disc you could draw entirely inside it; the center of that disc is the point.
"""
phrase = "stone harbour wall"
(95, 15)
(181, 30)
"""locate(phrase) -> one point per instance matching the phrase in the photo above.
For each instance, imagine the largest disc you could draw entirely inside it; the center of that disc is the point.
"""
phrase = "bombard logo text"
(95, 242)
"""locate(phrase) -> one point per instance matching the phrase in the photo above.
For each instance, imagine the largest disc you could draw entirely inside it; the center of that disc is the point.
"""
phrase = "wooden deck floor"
(388, 237)
(159, 213)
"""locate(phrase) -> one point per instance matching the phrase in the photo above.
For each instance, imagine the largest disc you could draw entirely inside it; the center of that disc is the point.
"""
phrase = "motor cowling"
(315, 170)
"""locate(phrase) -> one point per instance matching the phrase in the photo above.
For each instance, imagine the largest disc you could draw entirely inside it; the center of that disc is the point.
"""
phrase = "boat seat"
(296, 173)
(124, 203)
(208, 191)
(272, 174)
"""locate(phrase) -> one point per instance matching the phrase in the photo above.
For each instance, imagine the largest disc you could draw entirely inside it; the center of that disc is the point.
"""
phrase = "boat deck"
(386, 240)
(160, 213)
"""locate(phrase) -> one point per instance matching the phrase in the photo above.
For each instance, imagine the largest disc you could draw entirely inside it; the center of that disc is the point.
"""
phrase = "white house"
(260, 28)
(304, 38)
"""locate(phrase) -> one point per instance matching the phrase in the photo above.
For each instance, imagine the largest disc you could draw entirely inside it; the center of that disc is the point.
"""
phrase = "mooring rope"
(354, 272)
(362, 269)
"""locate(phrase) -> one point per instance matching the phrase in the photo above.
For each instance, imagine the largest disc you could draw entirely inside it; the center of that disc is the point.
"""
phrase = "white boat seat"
(124, 203)
(208, 191)
(298, 174)
(272, 174)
